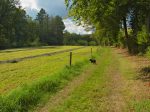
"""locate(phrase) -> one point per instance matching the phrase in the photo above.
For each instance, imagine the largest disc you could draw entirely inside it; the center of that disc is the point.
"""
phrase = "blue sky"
(52, 7)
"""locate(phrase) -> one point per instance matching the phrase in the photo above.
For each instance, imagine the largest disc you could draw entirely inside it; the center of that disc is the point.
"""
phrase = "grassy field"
(48, 84)
(13, 75)
(111, 87)
(91, 96)
(54, 73)
(20, 53)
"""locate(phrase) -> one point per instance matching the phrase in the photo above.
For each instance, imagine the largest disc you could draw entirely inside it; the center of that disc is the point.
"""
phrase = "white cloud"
(56, 7)
(29, 4)
(73, 28)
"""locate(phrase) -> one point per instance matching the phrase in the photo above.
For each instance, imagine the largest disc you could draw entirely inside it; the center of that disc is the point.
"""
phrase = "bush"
(148, 52)
(82, 42)
(121, 40)
(143, 39)
(92, 43)
(143, 36)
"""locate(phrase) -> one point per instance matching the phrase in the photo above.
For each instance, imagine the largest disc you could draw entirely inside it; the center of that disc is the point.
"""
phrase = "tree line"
(17, 29)
(123, 23)
(77, 39)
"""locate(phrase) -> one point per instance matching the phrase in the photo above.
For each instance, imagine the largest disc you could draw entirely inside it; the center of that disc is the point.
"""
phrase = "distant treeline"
(77, 39)
(17, 29)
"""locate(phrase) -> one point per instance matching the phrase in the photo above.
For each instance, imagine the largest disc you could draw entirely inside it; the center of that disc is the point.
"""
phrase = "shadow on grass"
(30, 48)
(144, 74)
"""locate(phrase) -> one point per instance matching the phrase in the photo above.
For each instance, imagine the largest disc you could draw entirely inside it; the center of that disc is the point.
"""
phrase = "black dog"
(93, 61)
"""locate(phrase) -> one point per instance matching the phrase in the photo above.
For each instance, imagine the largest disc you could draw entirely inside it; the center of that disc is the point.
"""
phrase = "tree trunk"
(127, 42)
(125, 27)
(126, 32)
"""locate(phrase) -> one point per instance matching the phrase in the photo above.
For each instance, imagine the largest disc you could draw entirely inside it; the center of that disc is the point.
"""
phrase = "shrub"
(148, 52)
(82, 42)
(143, 39)
(92, 43)
(121, 40)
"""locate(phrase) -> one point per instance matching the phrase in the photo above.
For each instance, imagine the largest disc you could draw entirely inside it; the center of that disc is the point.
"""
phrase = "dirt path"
(138, 84)
(63, 94)
(117, 85)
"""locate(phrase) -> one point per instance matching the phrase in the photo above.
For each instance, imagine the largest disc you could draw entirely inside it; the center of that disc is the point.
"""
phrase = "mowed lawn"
(20, 53)
(13, 75)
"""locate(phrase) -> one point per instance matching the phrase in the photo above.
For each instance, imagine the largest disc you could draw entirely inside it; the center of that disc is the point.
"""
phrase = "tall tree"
(109, 16)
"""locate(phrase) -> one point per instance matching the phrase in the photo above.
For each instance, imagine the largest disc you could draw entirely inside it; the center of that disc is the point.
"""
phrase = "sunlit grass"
(90, 96)
(13, 75)
(24, 97)
(20, 53)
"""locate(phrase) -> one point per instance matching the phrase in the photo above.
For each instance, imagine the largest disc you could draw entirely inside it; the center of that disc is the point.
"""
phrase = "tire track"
(66, 92)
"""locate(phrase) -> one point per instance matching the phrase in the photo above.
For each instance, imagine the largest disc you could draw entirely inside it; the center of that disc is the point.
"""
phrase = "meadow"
(24, 52)
(13, 75)
(50, 84)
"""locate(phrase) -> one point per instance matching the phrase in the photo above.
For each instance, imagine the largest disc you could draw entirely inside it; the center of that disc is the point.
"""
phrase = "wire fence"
(48, 62)
(28, 71)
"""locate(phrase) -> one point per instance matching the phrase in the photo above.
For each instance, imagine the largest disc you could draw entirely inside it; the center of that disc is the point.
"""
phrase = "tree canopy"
(17, 29)
(111, 17)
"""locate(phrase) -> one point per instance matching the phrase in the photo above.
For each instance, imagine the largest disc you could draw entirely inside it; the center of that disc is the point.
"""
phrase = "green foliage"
(77, 39)
(50, 28)
(92, 43)
(3, 40)
(142, 106)
(121, 40)
(82, 42)
(143, 37)
(148, 52)
(17, 29)
(109, 17)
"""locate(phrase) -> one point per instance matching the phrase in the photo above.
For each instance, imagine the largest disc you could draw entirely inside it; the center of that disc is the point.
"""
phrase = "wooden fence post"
(91, 52)
(70, 58)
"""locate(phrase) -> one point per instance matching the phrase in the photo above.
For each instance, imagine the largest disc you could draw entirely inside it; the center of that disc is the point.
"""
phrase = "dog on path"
(92, 61)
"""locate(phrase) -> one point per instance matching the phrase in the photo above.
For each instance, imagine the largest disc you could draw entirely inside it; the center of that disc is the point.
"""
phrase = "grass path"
(63, 94)
(138, 85)
(109, 86)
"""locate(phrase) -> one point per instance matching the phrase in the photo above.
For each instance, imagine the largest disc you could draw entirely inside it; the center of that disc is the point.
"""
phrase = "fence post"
(91, 52)
(70, 58)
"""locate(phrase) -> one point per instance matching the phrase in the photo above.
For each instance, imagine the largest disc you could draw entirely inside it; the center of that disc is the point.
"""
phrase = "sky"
(52, 7)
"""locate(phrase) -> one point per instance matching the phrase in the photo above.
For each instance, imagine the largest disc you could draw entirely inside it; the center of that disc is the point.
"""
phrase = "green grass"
(141, 106)
(28, 71)
(32, 82)
(25, 97)
(128, 71)
(126, 68)
(20, 53)
(90, 97)
(93, 95)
